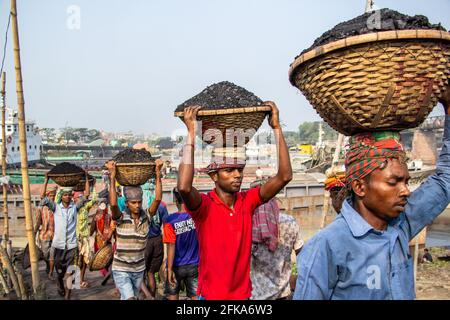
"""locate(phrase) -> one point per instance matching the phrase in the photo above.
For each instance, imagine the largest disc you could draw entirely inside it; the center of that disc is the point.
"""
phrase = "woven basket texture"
(230, 127)
(67, 180)
(134, 174)
(379, 85)
(81, 184)
(102, 258)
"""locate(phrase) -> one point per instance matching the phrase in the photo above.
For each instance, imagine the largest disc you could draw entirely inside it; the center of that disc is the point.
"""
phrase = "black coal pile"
(222, 95)
(133, 156)
(375, 21)
(65, 168)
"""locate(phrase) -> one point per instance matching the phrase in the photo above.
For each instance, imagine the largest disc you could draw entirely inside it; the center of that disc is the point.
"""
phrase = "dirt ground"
(95, 291)
(433, 282)
(433, 279)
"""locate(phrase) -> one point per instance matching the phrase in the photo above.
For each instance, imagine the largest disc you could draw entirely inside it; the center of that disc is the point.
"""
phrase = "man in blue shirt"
(364, 253)
(154, 250)
(64, 242)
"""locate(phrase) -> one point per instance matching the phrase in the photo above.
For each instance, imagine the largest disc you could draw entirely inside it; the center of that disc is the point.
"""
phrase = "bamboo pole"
(12, 275)
(5, 188)
(3, 283)
(21, 281)
(23, 152)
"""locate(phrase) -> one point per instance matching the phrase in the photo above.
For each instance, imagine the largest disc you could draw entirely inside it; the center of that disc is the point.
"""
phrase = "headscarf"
(335, 180)
(370, 151)
(225, 158)
(51, 189)
(77, 194)
(132, 193)
(218, 163)
(66, 189)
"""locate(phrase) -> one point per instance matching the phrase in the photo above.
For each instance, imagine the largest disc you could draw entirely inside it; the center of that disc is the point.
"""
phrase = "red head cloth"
(336, 180)
(78, 194)
(218, 163)
(369, 151)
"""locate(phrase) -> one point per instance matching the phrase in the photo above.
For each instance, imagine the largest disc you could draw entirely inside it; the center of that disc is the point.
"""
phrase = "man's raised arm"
(190, 195)
(116, 214)
(284, 174)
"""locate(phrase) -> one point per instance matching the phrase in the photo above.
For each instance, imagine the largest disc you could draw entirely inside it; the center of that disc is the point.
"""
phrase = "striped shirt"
(131, 241)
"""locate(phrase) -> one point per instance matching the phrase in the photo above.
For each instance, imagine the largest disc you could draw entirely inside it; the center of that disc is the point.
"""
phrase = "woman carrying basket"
(103, 226)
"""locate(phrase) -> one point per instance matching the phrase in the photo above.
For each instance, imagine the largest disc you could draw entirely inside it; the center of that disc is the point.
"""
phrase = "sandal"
(84, 284)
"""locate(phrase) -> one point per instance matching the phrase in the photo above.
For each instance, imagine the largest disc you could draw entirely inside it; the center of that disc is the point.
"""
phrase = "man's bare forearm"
(113, 199)
(284, 161)
(186, 174)
(44, 188)
(158, 194)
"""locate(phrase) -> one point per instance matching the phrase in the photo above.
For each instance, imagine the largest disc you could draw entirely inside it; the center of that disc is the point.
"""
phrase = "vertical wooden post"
(12, 275)
(4, 283)
(23, 152)
(369, 5)
(416, 260)
(4, 150)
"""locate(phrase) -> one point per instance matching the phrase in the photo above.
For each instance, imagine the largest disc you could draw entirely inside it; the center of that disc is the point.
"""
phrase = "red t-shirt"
(225, 239)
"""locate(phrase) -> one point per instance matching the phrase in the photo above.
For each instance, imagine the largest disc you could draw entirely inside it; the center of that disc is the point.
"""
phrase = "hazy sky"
(131, 62)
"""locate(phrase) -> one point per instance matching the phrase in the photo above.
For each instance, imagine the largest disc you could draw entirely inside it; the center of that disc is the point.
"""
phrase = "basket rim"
(215, 112)
(130, 164)
(65, 174)
(422, 34)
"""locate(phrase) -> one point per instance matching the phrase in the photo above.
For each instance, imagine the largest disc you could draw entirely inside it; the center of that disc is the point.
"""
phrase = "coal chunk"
(222, 95)
(65, 168)
(133, 156)
(375, 21)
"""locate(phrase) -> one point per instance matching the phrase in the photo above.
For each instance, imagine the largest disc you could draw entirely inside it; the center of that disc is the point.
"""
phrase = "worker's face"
(229, 179)
(51, 195)
(134, 206)
(66, 197)
(385, 193)
(335, 201)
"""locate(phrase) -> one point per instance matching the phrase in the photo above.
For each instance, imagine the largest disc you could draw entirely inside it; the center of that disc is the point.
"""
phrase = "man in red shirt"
(223, 217)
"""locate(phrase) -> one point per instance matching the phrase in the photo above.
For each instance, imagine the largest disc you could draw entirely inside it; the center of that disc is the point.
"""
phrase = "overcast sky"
(126, 64)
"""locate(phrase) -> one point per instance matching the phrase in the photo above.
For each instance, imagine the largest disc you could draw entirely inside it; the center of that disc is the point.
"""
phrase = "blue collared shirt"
(65, 237)
(351, 260)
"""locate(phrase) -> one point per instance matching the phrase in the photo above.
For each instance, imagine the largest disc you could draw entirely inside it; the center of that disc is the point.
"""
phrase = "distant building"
(34, 140)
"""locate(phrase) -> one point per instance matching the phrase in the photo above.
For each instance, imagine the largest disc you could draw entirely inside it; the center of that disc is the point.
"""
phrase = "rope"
(6, 42)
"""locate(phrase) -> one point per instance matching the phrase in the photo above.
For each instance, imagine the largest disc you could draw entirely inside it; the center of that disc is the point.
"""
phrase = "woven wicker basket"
(82, 183)
(220, 127)
(134, 174)
(378, 81)
(102, 259)
(67, 179)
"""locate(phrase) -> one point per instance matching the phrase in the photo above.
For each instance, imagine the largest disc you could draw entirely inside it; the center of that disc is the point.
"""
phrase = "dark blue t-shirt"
(157, 221)
(179, 228)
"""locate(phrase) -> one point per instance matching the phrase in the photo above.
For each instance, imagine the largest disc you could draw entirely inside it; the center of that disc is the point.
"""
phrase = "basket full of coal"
(230, 115)
(134, 167)
(66, 174)
(81, 185)
(380, 71)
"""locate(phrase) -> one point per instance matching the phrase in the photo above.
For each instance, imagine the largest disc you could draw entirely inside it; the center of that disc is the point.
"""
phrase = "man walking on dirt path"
(223, 217)
(131, 233)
